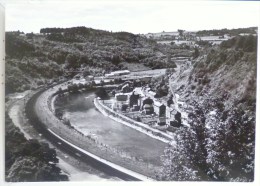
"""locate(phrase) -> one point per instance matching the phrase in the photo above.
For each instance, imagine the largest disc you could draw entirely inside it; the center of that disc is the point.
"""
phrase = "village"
(136, 100)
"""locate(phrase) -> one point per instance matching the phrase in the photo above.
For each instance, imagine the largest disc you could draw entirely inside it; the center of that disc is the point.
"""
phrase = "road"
(66, 147)
(69, 164)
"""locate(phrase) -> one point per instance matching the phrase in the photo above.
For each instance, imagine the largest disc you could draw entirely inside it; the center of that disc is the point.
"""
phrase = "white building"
(118, 73)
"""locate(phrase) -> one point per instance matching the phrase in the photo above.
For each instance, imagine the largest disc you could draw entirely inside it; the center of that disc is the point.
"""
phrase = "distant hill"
(36, 59)
(231, 32)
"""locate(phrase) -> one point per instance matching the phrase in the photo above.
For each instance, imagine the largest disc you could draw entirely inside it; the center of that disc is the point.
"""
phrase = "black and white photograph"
(115, 91)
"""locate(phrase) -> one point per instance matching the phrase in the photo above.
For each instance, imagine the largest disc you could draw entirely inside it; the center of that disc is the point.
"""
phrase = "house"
(124, 107)
(136, 108)
(170, 112)
(148, 92)
(120, 100)
(120, 72)
(148, 109)
(160, 109)
(177, 120)
(126, 88)
(109, 75)
(161, 121)
(89, 78)
(148, 101)
(134, 99)
(121, 97)
(148, 106)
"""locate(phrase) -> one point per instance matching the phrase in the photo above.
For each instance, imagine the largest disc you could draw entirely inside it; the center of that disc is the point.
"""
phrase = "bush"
(28, 160)
(17, 47)
(246, 43)
(102, 93)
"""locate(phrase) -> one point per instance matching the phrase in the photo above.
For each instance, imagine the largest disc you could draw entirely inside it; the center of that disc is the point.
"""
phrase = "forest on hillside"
(38, 59)
(220, 91)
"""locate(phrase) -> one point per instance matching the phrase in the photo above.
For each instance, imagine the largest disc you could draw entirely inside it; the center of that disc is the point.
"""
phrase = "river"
(81, 112)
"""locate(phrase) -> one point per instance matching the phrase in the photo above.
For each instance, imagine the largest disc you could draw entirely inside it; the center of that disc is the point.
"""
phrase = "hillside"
(225, 71)
(36, 59)
(217, 94)
(231, 32)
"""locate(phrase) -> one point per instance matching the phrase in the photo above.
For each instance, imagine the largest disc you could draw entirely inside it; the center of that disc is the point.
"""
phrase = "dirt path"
(182, 68)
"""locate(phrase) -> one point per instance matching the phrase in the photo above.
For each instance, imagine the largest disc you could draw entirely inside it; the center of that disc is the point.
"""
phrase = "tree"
(161, 91)
(72, 61)
(83, 59)
(250, 43)
(31, 169)
(196, 53)
(115, 59)
(102, 82)
(181, 32)
(29, 160)
(74, 87)
(170, 100)
(16, 47)
(231, 145)
(178, 159)
(240, 42)
(102, 93)
(218, 145)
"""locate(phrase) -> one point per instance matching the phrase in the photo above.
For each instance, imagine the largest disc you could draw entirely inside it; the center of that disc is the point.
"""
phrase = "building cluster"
(142, 100)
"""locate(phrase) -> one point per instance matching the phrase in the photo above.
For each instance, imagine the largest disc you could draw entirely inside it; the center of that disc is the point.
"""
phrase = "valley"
(156, 108)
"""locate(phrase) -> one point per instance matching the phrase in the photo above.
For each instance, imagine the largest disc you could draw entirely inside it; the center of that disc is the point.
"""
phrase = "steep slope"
(226, 72)
(218, 92)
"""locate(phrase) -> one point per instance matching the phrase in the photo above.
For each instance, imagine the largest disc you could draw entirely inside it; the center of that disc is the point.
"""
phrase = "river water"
(81, 112)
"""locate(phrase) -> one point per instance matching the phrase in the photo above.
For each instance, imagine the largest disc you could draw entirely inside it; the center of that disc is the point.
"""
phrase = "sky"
(141, 16)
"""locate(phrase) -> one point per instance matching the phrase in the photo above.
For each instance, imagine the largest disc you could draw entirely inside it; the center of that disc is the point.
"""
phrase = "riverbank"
(46, 116)
(141, 127)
